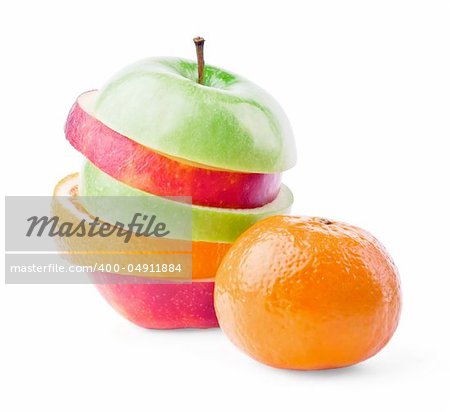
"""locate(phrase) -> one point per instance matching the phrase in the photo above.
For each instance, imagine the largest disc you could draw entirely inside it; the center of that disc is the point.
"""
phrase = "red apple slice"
(160, 305)
(150, 171)
(150, 303)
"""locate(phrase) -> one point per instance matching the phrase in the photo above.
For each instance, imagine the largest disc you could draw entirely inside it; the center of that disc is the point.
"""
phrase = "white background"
(366, 85)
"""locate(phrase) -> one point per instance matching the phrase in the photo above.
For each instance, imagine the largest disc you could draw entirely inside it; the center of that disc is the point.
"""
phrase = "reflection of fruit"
(206, 256)
(208, 224)
(307, 293)
(152, 172)
(161, 306)
(226, 122)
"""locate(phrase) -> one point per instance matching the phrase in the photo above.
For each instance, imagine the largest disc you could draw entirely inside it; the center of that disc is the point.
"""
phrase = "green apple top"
(227, 122)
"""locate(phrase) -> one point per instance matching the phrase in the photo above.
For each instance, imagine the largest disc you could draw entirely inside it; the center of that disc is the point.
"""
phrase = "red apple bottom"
(155, 305)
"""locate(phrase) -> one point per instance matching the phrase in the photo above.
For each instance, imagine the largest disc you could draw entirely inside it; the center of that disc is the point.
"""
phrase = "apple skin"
(208, 224)
(147, 170)
(228, 122)
(160, 305)
(206, 256)
(149, 303)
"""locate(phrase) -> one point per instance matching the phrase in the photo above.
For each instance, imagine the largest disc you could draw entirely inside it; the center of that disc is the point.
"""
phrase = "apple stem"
(199, 42)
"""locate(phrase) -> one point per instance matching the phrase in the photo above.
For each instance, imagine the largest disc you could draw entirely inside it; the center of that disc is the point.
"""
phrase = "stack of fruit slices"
(155, 131)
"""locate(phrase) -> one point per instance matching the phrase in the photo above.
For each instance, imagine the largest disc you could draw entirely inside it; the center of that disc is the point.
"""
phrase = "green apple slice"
(208, 223)
(228, 122)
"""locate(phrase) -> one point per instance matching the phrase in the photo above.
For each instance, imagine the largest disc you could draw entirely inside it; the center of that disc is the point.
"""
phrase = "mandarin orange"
(307, 293)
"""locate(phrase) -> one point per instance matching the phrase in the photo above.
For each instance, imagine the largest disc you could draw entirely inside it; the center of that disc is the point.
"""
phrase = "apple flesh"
(208, 224)
(160, 305)
(150, 171)
(227, 122)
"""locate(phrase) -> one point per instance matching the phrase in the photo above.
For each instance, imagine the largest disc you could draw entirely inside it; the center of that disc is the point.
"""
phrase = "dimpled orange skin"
(307, 293)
